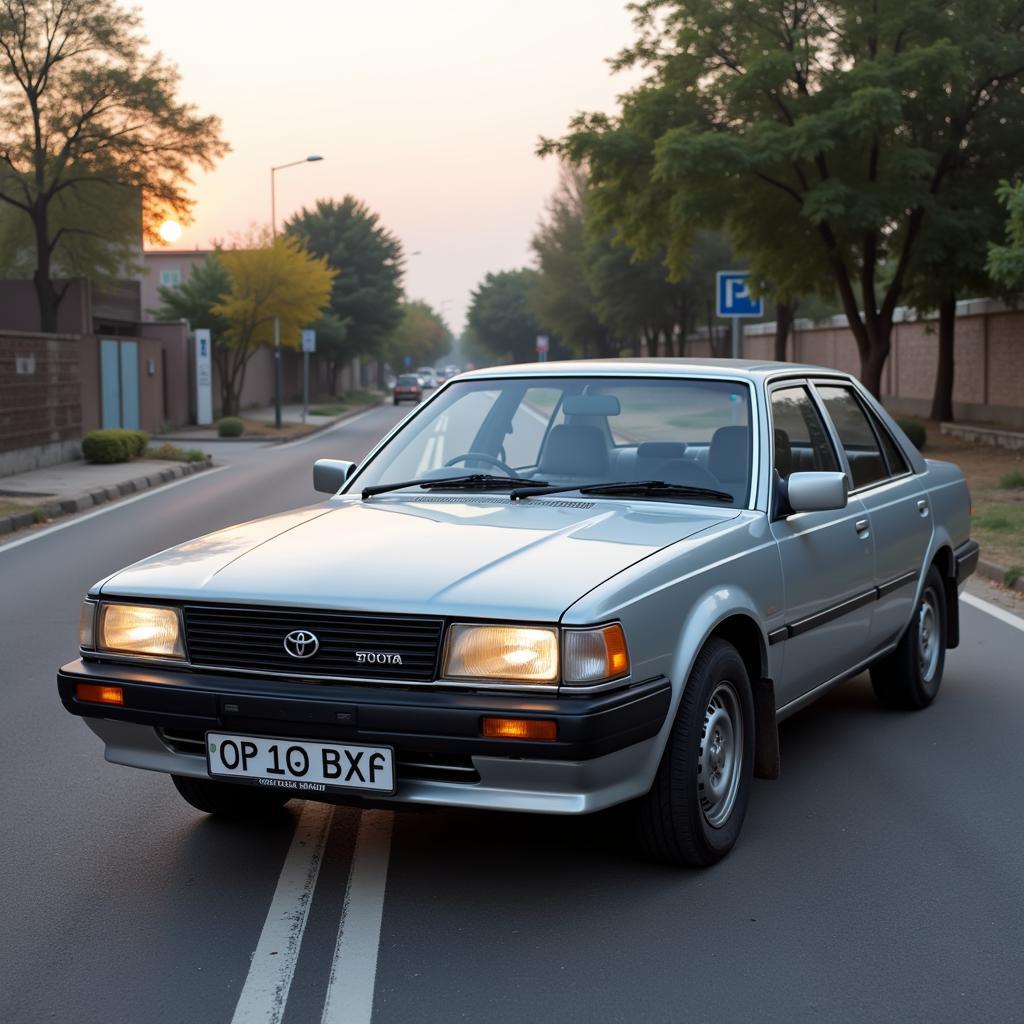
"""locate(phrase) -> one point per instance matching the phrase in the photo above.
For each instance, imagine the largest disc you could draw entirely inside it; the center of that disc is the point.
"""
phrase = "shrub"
(195, 455)
(230, 426)
(107, 446)
(1011, 481)
(915, 431)
(173, 453)
(1013, 574)
(137, 441)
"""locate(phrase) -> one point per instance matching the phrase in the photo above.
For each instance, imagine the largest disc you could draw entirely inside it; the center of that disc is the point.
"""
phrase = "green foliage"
(106, 446)
(1012, 574)
(821, 137)
(334, 409)
(172, 453)
(38, 516)
(1012, 481)
(501, 318)
(137, 440)
(1000, 519)
(422, 335)
(367, 258)
(195, 298)
(230, 426)
(915, 431)
(87, 113)
(1006, 262)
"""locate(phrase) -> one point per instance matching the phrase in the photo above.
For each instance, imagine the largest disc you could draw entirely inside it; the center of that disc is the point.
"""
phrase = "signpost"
(734, 302)
(204, 376)
(543, 345)
(308, 345)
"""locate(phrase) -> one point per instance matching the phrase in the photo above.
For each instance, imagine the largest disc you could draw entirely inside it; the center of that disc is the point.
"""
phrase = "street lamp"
(311, 159)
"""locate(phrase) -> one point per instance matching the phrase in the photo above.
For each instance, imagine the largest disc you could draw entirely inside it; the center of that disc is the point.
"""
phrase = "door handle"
(922, 506)
(863, 527)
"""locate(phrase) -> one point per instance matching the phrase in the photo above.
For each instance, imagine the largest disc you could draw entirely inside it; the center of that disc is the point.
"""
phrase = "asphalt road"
(881, 878)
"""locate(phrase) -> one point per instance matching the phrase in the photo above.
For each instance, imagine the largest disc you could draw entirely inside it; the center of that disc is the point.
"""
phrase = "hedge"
(915, 431)
(107, 446)
(230, 426)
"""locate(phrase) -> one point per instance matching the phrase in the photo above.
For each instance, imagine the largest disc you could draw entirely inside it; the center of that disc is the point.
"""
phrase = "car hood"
(478, 556)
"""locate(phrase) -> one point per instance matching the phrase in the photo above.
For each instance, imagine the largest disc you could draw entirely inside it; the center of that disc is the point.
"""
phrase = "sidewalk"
(260, 424)
(35, 497)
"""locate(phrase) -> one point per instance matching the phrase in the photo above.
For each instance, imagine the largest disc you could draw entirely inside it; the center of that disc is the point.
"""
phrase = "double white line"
(354, 966)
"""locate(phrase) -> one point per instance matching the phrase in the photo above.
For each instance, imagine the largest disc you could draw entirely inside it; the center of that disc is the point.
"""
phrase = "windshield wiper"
(473, 482)
(653, 488)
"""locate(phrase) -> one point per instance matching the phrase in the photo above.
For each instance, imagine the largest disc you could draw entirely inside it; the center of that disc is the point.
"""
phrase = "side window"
(801, 441)
(867, 464)
(896, 459)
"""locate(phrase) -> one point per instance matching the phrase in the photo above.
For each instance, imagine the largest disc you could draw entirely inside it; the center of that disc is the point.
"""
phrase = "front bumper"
(605, 751)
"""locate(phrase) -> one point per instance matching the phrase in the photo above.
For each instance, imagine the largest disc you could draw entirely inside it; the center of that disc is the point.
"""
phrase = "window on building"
(170, 277)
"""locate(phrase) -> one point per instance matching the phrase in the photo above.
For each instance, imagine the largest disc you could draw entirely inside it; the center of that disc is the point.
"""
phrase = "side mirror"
(330, 474)
(816, 492)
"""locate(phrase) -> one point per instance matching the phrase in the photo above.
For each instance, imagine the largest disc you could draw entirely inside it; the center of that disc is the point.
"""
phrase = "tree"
(367, 259)
(83, 109)
(820, 135)
(500, 317)
(561, 296)
(1005, 263)
(195, 298)
(278, 279)
(422, 337)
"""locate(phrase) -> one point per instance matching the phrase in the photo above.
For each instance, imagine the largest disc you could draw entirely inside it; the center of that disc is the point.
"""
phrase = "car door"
(897, 505)
(827, 557)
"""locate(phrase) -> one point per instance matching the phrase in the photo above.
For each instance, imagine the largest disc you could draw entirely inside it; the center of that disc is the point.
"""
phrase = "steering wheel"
(492, 460)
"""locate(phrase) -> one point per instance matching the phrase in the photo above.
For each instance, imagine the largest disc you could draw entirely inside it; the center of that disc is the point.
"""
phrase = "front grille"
(241, 638)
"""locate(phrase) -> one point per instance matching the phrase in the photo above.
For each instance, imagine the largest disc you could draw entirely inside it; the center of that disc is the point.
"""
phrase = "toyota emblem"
(300, 643)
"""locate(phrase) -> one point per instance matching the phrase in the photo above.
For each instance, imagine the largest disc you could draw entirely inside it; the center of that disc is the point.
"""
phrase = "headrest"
(661, 450)
(729, 454)
(575, 450)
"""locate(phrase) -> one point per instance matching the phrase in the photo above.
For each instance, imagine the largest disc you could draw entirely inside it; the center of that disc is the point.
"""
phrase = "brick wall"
(40, 396)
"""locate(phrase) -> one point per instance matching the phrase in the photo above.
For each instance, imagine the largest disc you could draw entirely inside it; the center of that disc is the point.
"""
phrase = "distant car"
(554, 588)
(428, 375)
(450, 371)
(408, 388)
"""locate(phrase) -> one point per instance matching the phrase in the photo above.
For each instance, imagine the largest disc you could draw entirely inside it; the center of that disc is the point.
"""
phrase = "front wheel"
(693, 814)
(229, 799)
(910, 677)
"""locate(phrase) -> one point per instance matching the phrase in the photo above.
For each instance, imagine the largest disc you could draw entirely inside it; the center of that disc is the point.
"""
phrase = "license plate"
(301, 765)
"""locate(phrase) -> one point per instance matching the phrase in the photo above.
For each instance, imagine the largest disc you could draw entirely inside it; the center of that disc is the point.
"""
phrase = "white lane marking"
(265, 992)
(994, 610)
(288, 445)
(112, 506)
(354, 969)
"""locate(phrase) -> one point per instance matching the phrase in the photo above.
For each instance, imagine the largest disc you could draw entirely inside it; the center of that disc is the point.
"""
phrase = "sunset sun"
(170, 231)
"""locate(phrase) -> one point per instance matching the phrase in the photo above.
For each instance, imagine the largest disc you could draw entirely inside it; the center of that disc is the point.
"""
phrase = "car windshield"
(578, 431)
(408, 379)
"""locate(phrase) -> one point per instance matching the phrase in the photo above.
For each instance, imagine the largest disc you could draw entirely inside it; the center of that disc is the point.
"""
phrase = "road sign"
(733, 296)
(309, 341)
(407, 360)
(204, 376)
(543, 344)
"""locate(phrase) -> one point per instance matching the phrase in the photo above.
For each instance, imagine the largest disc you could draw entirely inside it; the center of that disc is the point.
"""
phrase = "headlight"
(140, 629)
(594, 655)
(519, 654)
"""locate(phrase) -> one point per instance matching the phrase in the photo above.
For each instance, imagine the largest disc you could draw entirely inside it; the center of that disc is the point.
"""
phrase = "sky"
(428, 110)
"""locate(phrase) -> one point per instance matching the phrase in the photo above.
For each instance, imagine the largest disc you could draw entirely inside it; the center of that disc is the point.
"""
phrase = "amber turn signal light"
(520, 728)
(94, 693)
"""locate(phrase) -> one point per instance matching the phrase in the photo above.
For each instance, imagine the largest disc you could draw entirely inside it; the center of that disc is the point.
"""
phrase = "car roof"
(635, 367)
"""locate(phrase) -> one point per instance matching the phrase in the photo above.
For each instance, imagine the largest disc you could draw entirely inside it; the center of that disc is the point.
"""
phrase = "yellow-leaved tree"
(275, 278)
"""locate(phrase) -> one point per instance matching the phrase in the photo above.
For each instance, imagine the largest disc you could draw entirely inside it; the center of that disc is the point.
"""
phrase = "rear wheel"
(228, 799)
(693, 813)
(910, 677)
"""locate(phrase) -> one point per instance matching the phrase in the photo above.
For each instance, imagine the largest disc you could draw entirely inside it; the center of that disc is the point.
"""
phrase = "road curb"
(999, 573)
(99, 496)
(270, 439)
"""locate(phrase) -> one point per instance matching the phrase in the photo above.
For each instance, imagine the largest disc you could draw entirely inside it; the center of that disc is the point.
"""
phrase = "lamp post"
(312, 159)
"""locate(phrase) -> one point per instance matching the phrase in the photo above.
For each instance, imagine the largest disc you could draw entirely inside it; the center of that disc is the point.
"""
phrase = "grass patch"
(1012, 481)
(999, 528)
(172, 453)
(1013, 574)
(328, 410)
(11, 508)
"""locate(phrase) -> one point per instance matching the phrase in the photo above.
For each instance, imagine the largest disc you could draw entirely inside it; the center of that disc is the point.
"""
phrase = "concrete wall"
(19, 309)
(156, 261)
(40, 400)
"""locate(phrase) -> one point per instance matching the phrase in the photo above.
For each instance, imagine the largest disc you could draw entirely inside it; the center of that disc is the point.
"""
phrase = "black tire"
(229, 799)
(682, 821)
(909, 678)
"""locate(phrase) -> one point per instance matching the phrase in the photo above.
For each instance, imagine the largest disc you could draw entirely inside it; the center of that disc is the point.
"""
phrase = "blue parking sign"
(733, 296)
